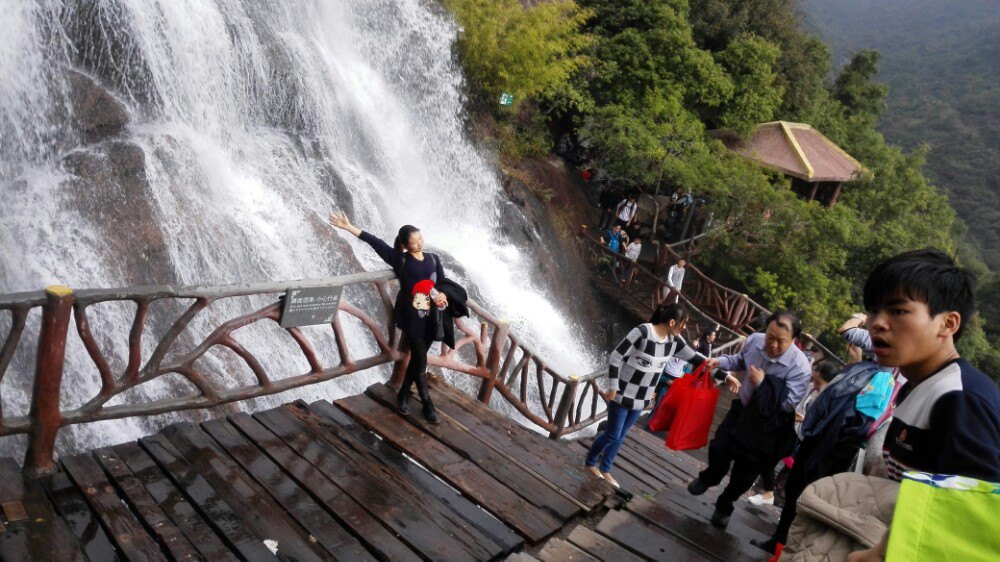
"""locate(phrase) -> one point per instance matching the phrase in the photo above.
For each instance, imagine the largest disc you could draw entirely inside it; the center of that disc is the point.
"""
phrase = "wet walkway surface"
(353, 480)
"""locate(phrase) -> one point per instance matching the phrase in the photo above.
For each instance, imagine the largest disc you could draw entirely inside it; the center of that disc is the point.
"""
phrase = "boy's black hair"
(929, 276)
(826, 369)
(786, 318)
(664, 313)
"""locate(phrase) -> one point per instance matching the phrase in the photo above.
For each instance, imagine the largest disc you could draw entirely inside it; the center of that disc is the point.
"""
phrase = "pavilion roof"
(795, 149)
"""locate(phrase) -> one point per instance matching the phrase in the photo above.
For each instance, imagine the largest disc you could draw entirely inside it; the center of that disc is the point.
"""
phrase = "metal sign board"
(314, 305)
(506, 99)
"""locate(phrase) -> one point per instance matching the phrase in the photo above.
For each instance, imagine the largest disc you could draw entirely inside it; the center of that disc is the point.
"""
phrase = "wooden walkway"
(352, 480)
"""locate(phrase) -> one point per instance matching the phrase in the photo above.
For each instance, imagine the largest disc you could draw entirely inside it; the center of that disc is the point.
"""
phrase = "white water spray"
(256, 120)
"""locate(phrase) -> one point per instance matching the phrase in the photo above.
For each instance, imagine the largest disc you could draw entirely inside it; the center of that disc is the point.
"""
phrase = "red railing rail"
(557, 403)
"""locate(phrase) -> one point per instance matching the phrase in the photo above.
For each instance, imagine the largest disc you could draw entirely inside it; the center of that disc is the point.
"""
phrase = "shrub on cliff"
(507, 47)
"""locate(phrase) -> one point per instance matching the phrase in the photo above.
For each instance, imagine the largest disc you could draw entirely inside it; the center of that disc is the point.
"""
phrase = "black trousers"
(800, 477)
(418, 362)
(607, 218)
(724, 453)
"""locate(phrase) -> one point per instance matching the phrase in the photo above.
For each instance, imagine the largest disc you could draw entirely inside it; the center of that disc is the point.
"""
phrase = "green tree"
(750, 62)
(522, 50)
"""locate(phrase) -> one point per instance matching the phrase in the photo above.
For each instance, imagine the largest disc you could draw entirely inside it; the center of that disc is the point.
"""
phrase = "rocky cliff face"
(108, 183)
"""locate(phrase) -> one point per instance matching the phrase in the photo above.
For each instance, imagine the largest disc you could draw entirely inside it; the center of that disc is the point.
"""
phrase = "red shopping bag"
(696, 407)
(665, 412)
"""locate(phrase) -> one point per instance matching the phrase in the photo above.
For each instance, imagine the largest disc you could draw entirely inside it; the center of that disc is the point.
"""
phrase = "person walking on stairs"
(758, 430)
(418, 274)
(633, 371)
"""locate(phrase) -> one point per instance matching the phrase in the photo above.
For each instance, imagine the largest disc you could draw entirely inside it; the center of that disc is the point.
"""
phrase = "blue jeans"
(620, 421)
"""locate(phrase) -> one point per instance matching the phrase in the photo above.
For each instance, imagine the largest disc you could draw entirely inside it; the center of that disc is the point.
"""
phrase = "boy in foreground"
(948, 416)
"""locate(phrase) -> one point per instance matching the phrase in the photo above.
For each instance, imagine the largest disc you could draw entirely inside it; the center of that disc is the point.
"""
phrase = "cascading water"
(250, 122)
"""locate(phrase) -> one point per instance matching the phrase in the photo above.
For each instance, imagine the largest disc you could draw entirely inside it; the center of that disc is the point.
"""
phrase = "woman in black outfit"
(418, 273)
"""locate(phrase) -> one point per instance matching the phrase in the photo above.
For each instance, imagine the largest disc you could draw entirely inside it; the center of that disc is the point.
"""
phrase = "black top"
(412, 311)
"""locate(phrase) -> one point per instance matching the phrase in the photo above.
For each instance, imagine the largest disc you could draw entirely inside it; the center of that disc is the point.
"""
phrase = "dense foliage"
(653, 76)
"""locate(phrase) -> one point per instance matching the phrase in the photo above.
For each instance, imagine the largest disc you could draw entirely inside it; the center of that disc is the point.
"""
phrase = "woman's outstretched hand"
(339, 219)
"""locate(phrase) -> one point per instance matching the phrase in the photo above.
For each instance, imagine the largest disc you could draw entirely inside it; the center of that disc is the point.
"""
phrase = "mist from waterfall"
(256, 119)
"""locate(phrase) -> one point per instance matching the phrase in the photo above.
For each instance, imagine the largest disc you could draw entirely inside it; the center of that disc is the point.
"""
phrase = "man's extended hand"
(756, 375)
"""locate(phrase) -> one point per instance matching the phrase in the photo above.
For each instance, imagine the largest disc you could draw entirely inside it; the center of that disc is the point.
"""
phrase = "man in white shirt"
(674, 280)
(632, 252)
(626, 211)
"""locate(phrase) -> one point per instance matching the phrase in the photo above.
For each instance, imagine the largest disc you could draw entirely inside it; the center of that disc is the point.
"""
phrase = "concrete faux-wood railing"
(734, 312)
(557, 403)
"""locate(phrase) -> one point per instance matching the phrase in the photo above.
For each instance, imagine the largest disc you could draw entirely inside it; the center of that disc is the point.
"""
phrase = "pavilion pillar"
(836, 194)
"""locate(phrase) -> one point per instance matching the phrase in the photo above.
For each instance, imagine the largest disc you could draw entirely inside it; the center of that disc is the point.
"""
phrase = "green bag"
(942, 517)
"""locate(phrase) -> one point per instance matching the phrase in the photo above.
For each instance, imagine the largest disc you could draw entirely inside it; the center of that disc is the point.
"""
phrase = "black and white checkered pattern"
(636, 363)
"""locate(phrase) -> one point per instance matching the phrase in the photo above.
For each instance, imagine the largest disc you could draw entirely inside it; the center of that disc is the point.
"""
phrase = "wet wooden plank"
(623, 464)
(638, 466)
(168, 535)
(601, 547)
(654, 466)
(677, 459)
(558, 550)
(479, 544)
(531, 522)
(172, 501)
(351, 432)
(716, 543)
(549, 459)
(622, 473)
(529, 486)
(401, 514)
(81, 521)
(229, 526)
(40, 534)
(368, 529)
(646, 540)
(551, 447)
(677, 498)
(340, 543)
(259, 511)
(126, 531)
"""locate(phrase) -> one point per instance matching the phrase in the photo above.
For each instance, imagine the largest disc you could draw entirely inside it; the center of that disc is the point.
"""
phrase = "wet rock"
(110, 188)
(97, 114)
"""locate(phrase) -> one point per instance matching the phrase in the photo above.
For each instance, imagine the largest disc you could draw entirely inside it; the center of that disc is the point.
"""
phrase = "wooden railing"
(734, 312)
(557, 403)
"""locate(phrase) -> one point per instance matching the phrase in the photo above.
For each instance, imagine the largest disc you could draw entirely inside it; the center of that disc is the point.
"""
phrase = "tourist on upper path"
(418, 273)
(608, 201)
(758, 430)
(947, 418)
(625, 211)
(633, 371)
(632, 252)
(707, 342)
(613, 238)
(674, 280)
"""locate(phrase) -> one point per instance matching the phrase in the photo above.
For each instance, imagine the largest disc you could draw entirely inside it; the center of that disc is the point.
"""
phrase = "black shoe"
(769, 546)
(430, 414)
(403, 402)
(696, 487)
(425, 398)
(719, 519)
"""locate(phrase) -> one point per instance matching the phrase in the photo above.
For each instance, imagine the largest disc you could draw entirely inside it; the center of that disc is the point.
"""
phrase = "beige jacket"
(840, 514)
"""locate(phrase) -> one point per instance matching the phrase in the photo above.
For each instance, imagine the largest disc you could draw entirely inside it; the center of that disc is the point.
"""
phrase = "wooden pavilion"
(818, 167)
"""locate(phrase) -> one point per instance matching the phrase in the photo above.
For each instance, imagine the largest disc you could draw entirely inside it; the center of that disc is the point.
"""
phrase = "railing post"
(399, 367)
(493, 360)
(46, 419)
(565, 403)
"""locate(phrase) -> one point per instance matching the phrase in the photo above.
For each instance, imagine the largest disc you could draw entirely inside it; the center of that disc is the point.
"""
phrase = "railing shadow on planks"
(734, 312)
(556, 403)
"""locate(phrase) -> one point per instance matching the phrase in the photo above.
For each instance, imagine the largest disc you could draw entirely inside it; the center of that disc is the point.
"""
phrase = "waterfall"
(248, 123)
